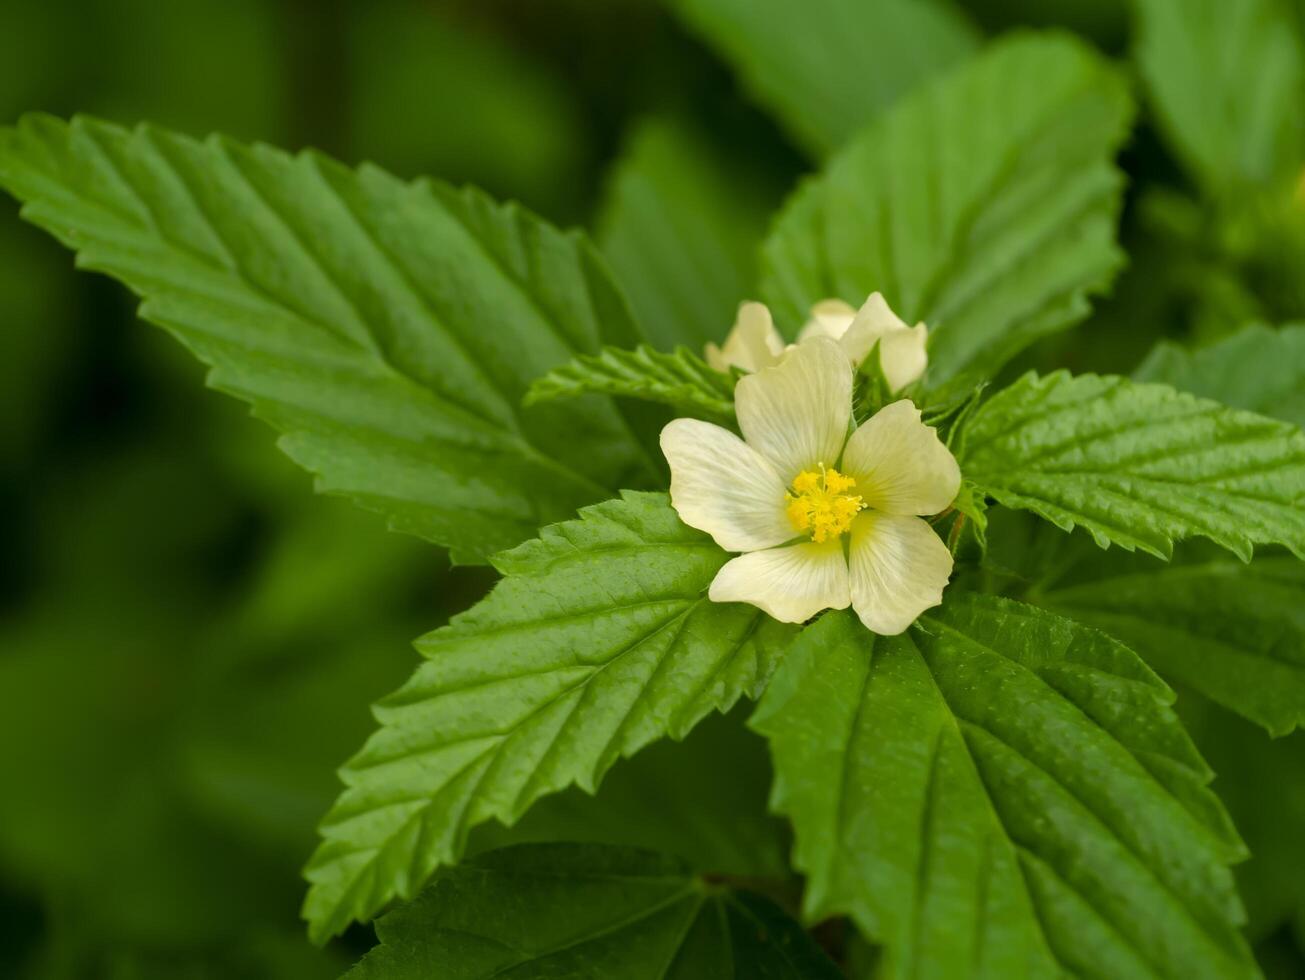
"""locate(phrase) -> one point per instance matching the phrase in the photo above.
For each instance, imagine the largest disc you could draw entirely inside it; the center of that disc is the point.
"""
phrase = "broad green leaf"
(1233, 632)
(1226, 81)
(1001, 793)
(680, 225)
(388, 330)
(682, 380)
(984, 205)
(671, 798)
(599, 640)
(587, 912)
(1138, 465)
(1258, 369)
(826, 67)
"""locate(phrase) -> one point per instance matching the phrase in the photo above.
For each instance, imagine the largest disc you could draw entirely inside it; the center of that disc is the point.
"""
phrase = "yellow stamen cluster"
(822, 504)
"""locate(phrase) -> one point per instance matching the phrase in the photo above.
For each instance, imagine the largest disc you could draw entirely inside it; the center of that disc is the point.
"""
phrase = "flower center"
(821, 502)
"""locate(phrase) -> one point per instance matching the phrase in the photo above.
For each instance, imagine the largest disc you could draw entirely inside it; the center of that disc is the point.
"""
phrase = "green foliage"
(680, 226)
(598, 640)
(1229, 631)
(1138, 465)
(1233, 632)
(1001, 793)
(1262, 782)
(1226, 80)
(1259, 369)
(352, 311)
(828, 66)
(188, 649)
(587, 913)
(671, 798)
(984, 205)
(682, 380)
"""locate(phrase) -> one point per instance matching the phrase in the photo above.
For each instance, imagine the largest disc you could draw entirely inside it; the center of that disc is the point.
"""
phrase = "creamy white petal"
(903, 356)
(752, 344)
(722, 486)
(790, 584)
(899, 463)
(899, 568)
(796, 413)
(829, 318)
(901, 348)
(877, 316)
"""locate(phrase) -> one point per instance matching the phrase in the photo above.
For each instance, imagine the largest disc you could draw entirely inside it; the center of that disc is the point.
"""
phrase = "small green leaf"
(599, 640)
(827, 67)
(680, 226)
(682, 380)
(984, 205)
(587, 912)
(388, 330)
(1001, 793)
(1259, 369)
(1233, 632)
(1227, 81)
(1138, 465)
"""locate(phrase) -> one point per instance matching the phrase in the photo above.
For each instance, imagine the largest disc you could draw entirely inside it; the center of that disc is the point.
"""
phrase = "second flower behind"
(825, 515)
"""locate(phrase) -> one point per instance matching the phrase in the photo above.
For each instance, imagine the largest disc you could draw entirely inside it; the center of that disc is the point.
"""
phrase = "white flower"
(797, 482)
(753, 342)
(901, 348)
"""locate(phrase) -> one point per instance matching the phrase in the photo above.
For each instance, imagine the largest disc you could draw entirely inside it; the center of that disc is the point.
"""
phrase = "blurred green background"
(188, 637)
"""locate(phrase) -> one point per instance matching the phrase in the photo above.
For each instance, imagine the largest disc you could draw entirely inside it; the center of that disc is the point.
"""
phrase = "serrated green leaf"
(388, 330)
(1233, 632)
(1002, 793)
(827, 67)
(1259, 369)
(682, 380)
(1226, 80)
(587, 912)
(1138, 465)
(680, 226)
(984, 205)
(599, 640)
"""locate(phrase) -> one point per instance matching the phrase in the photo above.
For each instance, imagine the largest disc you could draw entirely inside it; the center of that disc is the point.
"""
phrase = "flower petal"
(796, 414)
(899, 463)
(753, 342)
(901, 348)
(903, 357)
(899, 568)
(791, 584)
(829, 318)
(722, 486)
